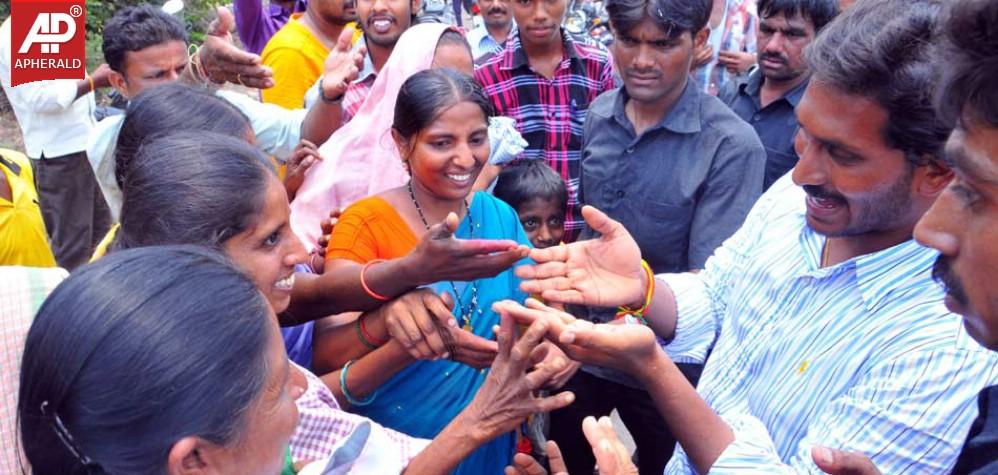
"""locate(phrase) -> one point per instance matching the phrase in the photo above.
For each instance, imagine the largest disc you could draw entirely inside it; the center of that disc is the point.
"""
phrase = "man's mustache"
(774, 57)
(942, 273)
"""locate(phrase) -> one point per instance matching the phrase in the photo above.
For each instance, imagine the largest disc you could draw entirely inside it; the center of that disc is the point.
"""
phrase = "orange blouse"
(370, 229)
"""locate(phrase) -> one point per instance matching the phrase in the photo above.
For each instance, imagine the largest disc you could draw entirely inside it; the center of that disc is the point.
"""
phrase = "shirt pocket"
(664, 235)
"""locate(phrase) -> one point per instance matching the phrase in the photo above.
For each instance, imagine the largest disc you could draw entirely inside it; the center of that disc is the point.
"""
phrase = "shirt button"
(620, 194)
(756, 118)
(630, 149)
(551, 115)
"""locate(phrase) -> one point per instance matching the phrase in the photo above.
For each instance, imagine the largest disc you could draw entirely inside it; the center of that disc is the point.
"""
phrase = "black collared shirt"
(683, 186)
(680, 188)
(776, 123)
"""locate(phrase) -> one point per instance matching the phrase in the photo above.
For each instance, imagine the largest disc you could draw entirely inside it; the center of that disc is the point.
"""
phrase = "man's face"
(496, 13)
(963, 226)
(337, 12)
(539, 21)
(652, 65)
(781, 42)
(151, 66)
(384, 21)
(856, 184)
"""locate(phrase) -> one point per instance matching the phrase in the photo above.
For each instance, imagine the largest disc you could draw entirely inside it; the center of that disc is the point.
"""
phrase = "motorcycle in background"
(589, 18)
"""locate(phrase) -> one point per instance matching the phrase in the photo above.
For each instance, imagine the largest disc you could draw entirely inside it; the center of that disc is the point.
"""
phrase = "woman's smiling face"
(446, 157)
(268, 250)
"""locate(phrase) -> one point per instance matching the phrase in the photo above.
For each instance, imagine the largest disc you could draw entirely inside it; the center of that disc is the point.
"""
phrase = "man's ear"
(117, 81)
(932, 177)
(700, 38)
(415, 5)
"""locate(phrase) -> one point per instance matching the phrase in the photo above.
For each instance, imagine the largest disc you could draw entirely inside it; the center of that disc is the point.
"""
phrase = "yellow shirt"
(23, 240)
(296, 56)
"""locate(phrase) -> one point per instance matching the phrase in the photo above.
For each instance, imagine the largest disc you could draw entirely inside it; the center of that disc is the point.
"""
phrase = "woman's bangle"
(360, 335)
(92, 88)
(365, 337)
(363, 283)
(640, 312)
(346, 394)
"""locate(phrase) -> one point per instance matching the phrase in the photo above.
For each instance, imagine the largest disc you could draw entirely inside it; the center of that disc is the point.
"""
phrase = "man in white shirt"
(56, 118)
(820, 316)
(491, 36)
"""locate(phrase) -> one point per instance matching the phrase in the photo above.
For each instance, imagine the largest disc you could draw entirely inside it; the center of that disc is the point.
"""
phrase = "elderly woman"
(119, 354)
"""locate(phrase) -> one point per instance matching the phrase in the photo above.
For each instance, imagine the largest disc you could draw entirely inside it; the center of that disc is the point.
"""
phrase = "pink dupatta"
(361, 159)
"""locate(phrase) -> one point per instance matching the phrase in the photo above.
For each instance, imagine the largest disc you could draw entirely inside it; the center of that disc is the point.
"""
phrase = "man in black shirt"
(767, 97)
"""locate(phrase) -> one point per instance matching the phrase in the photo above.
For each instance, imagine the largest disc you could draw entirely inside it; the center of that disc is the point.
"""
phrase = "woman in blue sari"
(440, 128)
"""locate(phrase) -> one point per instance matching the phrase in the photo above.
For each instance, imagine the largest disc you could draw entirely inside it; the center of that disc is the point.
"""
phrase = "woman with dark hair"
(97, 377)
(219, 192)
(440, 129)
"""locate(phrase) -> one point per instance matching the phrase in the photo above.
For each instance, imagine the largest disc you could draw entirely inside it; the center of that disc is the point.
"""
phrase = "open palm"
(603, 272)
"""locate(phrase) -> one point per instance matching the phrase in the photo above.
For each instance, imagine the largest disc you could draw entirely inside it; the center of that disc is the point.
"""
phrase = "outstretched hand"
(604, 272)
(222, 61)
(624, 347)
(342, 65)
(507, 396)
(439, 256)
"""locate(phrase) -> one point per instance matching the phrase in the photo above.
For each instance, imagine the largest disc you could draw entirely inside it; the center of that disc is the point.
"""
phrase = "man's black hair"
(674, 17)
(818, 12)
(968, 63)
(137, 28)
(883, 51)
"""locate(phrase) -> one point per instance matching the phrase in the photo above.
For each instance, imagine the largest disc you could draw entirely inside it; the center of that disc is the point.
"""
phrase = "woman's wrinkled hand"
(507, 396)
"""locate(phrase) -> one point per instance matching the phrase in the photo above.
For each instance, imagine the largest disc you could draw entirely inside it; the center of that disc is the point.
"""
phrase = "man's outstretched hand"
(603, 272)
(222, 61)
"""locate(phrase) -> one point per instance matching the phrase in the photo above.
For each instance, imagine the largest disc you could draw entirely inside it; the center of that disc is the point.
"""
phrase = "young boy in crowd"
(539, 197)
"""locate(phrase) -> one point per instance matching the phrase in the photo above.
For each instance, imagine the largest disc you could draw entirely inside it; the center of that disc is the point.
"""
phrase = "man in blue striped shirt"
(820, 315)
(963, 223)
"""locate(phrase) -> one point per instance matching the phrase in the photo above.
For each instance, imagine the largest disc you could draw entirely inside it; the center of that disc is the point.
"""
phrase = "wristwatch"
(328, 100)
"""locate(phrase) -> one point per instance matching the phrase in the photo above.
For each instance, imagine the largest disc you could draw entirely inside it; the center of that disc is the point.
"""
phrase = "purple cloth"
(298, 343)
(256, 23)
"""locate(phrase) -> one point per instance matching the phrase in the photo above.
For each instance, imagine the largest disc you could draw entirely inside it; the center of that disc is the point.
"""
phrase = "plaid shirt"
(549, 113)
(358, 90)
(322, 426)
(22, 291)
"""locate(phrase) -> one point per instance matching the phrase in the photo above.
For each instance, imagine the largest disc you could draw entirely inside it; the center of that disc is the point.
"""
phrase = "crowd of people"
(759, 231)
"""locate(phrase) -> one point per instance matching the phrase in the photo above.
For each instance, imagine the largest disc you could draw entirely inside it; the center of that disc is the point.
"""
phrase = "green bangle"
(360, 335)
(346, 394)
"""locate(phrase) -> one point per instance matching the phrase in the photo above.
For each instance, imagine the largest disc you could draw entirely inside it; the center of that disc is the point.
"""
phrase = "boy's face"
(543, 220)
(151, 66)
(539, 21)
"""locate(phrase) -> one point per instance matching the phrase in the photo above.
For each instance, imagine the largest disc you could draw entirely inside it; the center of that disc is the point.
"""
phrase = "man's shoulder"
(293, 36)
(602, 106)
(719, 119)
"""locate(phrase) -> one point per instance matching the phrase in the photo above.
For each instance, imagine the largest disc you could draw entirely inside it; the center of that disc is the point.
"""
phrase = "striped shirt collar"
(515, 57)
(878, 274)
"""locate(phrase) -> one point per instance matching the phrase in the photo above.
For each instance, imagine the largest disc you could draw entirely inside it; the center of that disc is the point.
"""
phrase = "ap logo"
(50, 30)
(51, 38)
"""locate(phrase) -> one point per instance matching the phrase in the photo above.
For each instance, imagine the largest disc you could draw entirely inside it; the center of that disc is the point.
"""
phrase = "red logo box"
(48, 40)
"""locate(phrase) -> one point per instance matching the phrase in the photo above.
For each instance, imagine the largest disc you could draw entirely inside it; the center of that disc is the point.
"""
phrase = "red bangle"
(363, 283)
(367, 335)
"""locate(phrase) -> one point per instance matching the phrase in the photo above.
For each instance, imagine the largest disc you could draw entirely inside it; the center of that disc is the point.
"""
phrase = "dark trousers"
(73, 208)
(595, 396)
